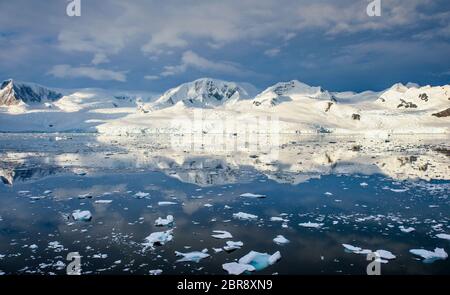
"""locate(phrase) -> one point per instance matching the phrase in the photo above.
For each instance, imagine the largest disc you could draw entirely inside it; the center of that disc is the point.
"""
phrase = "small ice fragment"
(384, 254)
(253, 196)
(281, 240)
(227, 207)
(244, 216)
(430, 256)
(79, 215)
(406, 229)
(260, 260)
(310, 224)
(164, 222)
(328, 194)
(85, 196)
(141, 195)
(195, 256)
(158, 238)
(231, 246)
(351, 248)
(155, 272)
(363, 184)
(33, 247)
(443, 236)
(217, 250)
(103, 201)
(221, 234)
(276, 219)
(164, 203)
(234, 268)
(207, 205)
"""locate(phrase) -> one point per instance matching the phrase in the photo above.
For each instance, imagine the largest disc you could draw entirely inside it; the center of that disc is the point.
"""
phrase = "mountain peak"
(292, 90)
(13, 93)
(204, 92)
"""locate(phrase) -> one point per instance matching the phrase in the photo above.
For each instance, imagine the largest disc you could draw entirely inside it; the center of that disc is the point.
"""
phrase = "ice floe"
(244, 216)
(158, 238)
(155, 272)
(310, 224)
(103, 201)
(168, 221)
(430, 256)
(406, 229)
(252, 196)
(141, 195)
(253, 261)
(79, 215)
(194, 256)
(221, 234)
(166, 203)
(231, 246)
(280, 240)
(443, 236)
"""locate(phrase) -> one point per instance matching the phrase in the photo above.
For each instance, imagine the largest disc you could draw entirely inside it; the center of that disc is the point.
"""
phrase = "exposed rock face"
(443, 114)
(12, 93)
(356, 117)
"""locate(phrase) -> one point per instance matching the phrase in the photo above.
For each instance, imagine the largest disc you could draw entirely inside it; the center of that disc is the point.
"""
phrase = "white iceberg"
(141, 195)
(155, 272)
(164, 203)
(234, 268)
(244, 216)
(280, 240)
(158, 238)
(221, 234)
(79, 215)
(430, 256)
(406, 229)
(356, 250)
(384, 254)
(103, 201)
(195, 256)
(253, 196)
(310, 224)
(164, 222)
(231, 246)
(443, 236)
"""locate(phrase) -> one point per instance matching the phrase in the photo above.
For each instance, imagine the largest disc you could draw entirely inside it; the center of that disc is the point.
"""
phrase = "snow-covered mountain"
(289, 91)
(14, 93)
(294, 106)
(204, 92)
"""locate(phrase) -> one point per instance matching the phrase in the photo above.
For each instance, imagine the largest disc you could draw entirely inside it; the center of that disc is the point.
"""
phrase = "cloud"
(151, 77)
(67, 71)
(192, 60)
(99, 58)
(272, 52)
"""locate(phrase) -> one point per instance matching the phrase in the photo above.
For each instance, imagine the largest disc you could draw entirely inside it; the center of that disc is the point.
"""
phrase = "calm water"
(360, 191)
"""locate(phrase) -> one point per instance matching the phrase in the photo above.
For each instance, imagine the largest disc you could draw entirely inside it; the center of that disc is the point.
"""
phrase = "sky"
(155, 45)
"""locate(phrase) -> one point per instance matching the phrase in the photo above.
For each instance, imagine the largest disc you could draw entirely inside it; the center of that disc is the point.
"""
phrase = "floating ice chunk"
(351, 248)
(430, 256)
(103, 201)
(155, 272)
(79, 215)
(244, 216)
(195, 256)
(217, 250)
(100, 256)
(311, 224)
(207, 205)
(406, 229)
(85, 196)
(164, 222)
(2, 256)
(443, 236)
(280, 240)
(33, 247)
(363, 184)
(157, 238)
(253, 196)
(226, 207)
(56, 246)
(260, 260)
(165, 203)
(141, 195)
(221, 234)
(231, 246)
(328, 194)
(384, 254)
(398, 190)
(277, 219)
(2, 273)
(234, 268)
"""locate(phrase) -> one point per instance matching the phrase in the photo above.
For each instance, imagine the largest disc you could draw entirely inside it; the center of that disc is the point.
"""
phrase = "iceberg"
(164, 222)
(103, 201)
(79, 215)
(244, 216)
(234, 268)
(157, 238)
(164, 203)
(443, 236)
(195, 256)
(141, 195)
(430, 256)
(253, 261)
(311, 224)
(281, 240)
(231, 246)
(221, 234)
(252, 196)
(406, 229)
